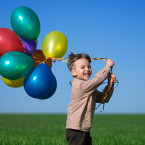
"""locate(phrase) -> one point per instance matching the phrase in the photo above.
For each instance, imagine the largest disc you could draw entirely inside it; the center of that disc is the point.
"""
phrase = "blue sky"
(107, 28)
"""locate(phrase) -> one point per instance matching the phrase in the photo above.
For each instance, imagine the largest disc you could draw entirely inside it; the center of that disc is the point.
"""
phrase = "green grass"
(23, 129)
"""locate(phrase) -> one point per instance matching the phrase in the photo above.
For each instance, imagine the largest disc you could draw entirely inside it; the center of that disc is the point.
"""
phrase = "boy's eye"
(89, 67)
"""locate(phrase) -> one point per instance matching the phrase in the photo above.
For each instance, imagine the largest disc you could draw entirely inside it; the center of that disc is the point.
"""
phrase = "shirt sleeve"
(91, 85)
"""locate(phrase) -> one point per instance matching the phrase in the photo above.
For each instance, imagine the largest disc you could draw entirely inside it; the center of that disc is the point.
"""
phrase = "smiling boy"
(84, 97)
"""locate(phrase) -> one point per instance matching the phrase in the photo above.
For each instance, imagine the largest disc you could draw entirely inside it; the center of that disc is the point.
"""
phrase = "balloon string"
(59, 59)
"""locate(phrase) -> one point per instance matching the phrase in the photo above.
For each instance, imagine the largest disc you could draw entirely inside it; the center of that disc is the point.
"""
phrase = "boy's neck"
(78, 78)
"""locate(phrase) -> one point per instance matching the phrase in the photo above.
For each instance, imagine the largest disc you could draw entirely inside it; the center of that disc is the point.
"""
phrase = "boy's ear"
(73, 73)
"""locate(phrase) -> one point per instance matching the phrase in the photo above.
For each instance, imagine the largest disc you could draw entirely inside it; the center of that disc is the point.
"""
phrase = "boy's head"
(79, 66)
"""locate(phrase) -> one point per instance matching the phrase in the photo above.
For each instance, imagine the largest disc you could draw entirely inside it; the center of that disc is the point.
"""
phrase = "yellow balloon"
(54, 44)
(13, 83)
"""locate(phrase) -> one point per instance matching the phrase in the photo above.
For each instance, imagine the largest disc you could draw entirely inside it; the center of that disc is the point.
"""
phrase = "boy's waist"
(76, 130)
(79, 122)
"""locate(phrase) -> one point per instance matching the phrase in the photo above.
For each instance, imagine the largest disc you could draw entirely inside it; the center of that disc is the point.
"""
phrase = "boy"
(84, 97)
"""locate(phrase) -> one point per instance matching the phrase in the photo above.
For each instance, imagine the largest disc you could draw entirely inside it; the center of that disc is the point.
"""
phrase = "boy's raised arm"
(99, 78)
(93, 84)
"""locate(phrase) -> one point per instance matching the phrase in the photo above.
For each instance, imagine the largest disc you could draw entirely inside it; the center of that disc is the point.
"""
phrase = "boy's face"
(82, 69)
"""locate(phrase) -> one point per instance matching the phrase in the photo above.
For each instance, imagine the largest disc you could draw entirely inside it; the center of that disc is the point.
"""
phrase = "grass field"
(49, 129)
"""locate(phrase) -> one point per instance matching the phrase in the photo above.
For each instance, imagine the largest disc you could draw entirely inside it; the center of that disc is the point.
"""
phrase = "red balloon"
(9, 41)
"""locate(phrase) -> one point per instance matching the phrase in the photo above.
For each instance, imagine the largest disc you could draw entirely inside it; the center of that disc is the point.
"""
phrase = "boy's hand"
(109, 63)
(111, 78)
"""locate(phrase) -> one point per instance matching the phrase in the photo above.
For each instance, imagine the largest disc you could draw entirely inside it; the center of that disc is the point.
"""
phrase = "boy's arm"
(91, 85)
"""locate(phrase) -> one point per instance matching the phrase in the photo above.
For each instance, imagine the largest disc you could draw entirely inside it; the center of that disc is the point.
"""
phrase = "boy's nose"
(87, 70)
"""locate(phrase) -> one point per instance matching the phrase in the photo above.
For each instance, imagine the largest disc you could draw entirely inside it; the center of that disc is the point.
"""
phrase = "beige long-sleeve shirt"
(83, 101)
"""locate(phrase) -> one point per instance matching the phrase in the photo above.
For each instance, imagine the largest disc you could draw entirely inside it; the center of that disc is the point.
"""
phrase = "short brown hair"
(74, 57)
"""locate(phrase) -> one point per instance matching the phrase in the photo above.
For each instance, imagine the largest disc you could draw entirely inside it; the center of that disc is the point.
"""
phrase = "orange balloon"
(39, 58)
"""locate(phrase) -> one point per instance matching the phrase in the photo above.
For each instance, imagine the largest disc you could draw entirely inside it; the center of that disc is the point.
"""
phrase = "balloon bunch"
(21, 64)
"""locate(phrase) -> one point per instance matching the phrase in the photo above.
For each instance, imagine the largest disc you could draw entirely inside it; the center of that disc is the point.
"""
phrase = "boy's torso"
(83, 101)
(81, 108)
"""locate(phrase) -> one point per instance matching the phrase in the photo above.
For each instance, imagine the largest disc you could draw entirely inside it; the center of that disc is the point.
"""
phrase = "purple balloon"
(29, 46)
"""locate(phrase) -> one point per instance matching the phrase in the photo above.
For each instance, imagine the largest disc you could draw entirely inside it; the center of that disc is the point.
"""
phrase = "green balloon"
(15, 65)
(25, 23)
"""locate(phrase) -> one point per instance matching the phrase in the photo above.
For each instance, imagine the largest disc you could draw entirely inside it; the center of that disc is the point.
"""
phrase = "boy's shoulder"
(77, 81)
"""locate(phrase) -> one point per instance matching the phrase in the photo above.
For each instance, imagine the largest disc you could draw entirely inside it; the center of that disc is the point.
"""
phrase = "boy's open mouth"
(86, 74)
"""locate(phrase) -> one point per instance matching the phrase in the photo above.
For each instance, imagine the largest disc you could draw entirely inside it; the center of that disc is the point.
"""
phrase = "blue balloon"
(52, 90)
(38, 83)
(54, 86)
